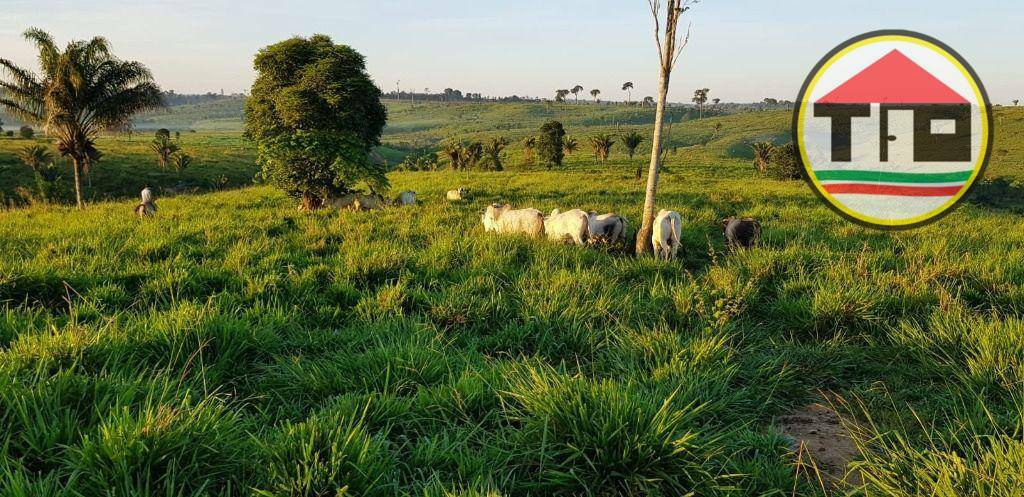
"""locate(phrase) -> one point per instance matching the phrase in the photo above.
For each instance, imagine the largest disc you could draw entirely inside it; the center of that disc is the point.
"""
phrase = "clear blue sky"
(744, 50)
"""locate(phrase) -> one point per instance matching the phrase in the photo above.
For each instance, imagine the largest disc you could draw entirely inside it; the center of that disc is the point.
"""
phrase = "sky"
(743, 50)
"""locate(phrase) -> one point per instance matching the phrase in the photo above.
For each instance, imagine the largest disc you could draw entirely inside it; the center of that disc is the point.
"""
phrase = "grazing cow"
(607, 228)
(147, 203)
(504, 219)
(741, 233)
(572, 225)
(458, 195)
(407, 197)
(665, 238)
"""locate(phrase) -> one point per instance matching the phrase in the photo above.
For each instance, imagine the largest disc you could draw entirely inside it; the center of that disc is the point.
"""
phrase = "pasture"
(234, 346)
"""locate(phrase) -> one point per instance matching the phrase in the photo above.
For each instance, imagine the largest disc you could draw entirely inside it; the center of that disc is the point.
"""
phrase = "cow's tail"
(676, 227)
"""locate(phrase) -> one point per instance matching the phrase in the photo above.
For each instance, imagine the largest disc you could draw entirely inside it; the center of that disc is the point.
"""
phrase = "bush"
(550, 144)
(9, 133)
(421, 160)
(782, 163)
(26, 132)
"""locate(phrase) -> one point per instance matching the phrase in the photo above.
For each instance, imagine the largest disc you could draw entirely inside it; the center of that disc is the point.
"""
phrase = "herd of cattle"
(576, 226)
(582, 227)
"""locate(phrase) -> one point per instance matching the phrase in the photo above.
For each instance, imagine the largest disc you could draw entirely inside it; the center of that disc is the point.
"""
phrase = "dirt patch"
(821, 444)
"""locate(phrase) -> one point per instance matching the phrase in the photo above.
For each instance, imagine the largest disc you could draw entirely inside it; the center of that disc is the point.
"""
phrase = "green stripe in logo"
(892, 177)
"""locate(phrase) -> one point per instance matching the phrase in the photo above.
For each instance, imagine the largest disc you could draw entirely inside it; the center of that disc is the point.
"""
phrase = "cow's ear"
(726, 221)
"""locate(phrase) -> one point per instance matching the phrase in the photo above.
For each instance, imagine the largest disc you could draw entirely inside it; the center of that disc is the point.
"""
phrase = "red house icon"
(897, 83)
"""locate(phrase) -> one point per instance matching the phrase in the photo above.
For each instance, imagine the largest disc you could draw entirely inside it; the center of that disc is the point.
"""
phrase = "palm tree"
(494, 150)
(164, 148)
(181, 161)
(602, 146)
(576, 92)
(528, 145)
(80, 91)
(35, 157)
(594, 93)
(455, 153)
(626, 87)
(1015, 102)
(569, 146)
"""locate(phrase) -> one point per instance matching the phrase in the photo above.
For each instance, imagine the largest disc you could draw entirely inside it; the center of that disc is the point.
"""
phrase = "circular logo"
(892, 129)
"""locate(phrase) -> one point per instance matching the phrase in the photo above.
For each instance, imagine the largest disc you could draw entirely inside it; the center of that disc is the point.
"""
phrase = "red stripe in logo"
(901, 190)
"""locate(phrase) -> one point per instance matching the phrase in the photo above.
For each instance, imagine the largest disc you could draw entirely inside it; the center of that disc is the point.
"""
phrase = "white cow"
(608, 228)
(573, 225)
(355, 201)
(407, 197)
(665, 238)
(504, 219)
(147, 203)
(458, 195)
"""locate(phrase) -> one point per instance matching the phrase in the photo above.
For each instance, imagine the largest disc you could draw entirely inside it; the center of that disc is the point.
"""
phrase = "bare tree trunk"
(643, 237)
(78, 183)
(668, 53)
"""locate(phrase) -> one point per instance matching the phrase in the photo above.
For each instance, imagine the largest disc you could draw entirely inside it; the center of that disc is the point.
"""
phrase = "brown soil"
(821, 444)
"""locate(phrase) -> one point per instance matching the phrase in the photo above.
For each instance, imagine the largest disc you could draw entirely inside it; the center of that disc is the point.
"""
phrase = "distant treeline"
(172, 99)
(453, 95)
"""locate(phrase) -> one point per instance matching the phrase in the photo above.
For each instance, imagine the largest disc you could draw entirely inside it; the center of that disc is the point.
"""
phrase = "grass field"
(233, 346)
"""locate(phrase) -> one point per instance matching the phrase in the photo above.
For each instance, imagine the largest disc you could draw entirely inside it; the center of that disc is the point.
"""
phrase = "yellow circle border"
(902, 36)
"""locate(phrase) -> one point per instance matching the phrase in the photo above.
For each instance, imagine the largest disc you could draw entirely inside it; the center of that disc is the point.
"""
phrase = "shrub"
(782, 163)
(632, 140)
(26, 132)
(9, 133)
(762, 154)
(422, 160)
(551, 144)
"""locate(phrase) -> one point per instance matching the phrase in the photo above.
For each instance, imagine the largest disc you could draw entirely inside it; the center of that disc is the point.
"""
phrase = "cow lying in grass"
(355, 201)
(570, 225)
(457, 195)
(147, 203)
(408, 197)
(504, 219)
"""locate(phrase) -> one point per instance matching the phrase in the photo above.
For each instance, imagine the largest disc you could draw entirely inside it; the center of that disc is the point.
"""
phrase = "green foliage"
(26, 132)
(783, 164)
(314, 115)
(162, 134)
(550, 144)
(81, 91)
(494, 150)
(164, 148)
(602, 145)
(422, 160)
(181, 161)
(762, 155)
(529, 146)
(570, 146)
(632, 140)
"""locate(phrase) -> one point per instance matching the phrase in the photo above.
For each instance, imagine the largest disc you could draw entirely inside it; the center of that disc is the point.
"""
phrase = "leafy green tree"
(79, 92)
(315, 115)
(560, 95)
(782, 163)
(700, 97)
(26, 132)
(495, 151)
(551, 144)
(164, 148)
(602, 144)
(576, 92)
